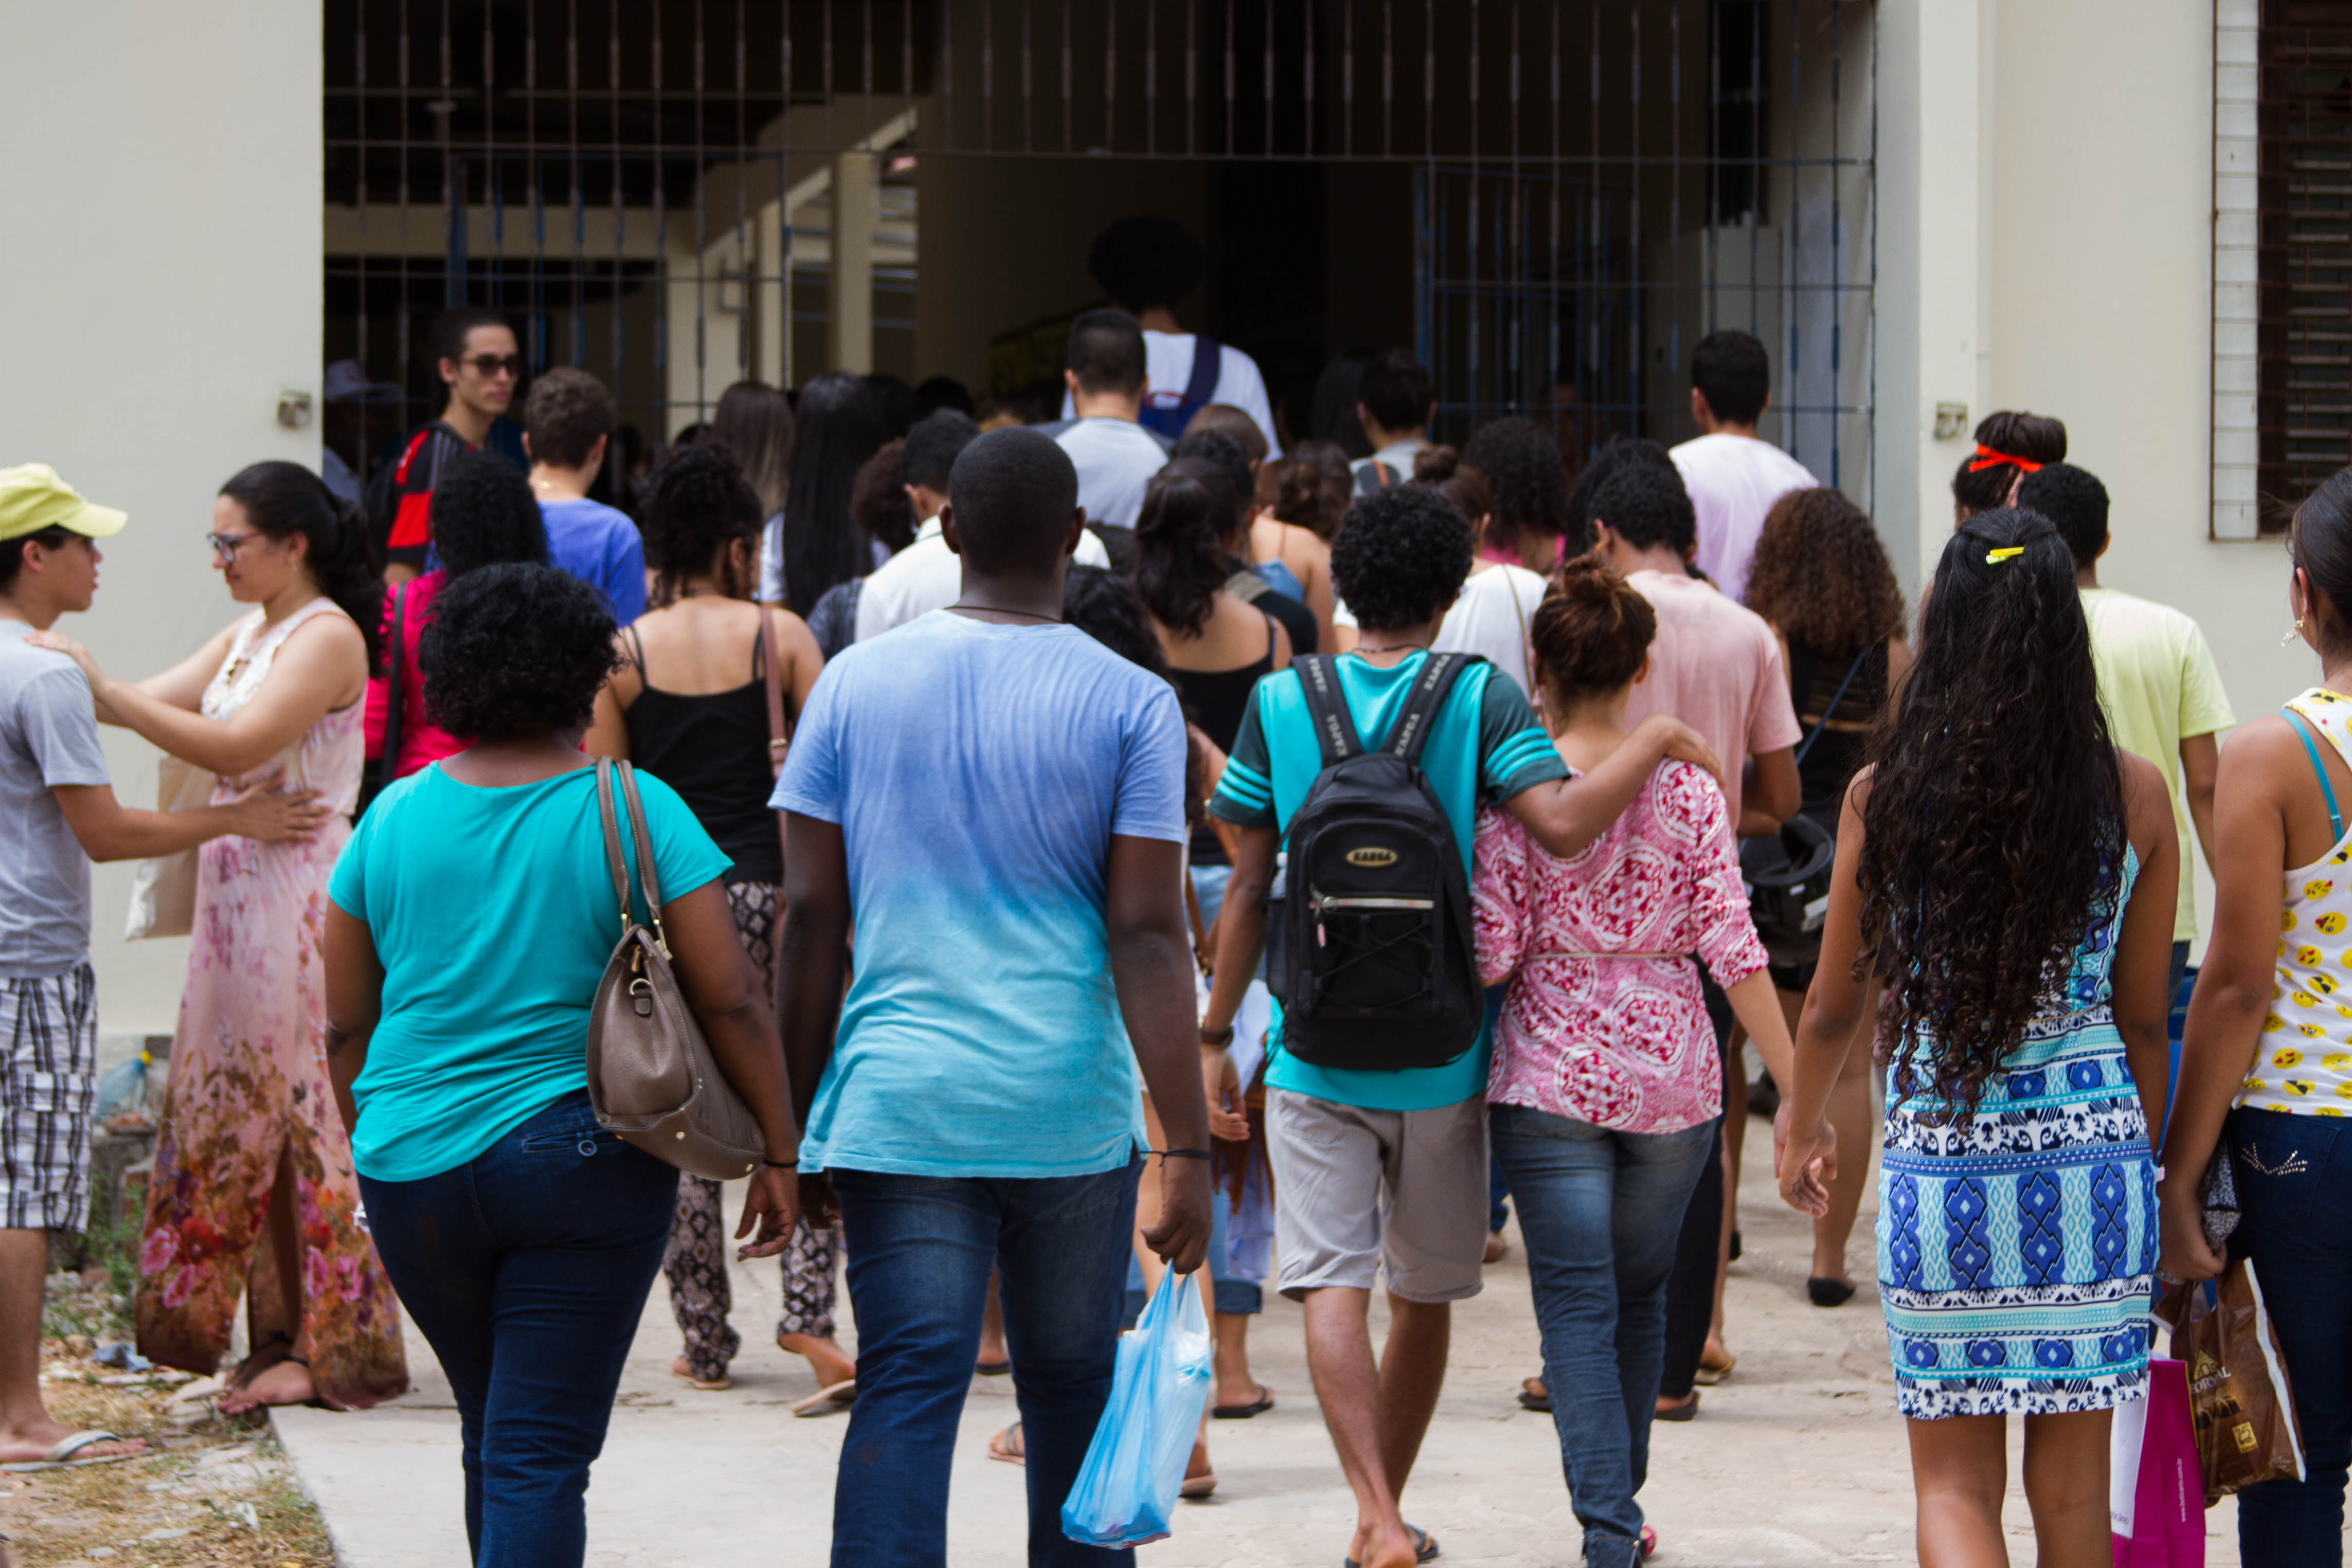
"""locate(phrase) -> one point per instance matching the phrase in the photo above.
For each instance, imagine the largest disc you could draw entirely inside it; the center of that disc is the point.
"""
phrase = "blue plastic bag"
(1127, 1485)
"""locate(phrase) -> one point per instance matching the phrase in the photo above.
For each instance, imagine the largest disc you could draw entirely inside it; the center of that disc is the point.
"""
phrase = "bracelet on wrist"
(792, 1165)
(1167, 1155)
(1218, 1038)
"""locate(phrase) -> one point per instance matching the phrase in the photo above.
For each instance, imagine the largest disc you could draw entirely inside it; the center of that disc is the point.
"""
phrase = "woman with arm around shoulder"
(2008, 875)
(689, 706)
(1604, 1088)
(253, 1192)
(1822, 581)
(470, 923)
(2266, 1063)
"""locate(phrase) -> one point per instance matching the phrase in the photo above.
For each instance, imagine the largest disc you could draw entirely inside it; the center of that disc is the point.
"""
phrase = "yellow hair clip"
(2007, 552)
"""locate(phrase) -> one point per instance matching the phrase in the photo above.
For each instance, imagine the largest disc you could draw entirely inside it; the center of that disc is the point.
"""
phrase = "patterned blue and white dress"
(2016, 1243)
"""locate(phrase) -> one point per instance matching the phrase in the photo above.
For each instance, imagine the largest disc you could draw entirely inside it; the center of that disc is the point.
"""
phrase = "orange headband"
(1988, 458)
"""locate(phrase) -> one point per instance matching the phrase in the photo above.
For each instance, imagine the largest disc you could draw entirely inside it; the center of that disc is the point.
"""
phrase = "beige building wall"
(159, 288)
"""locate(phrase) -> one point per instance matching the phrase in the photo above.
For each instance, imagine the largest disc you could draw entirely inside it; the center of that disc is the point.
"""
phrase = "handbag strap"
(779, 731)
(2302, 727)
(1836, 698)
(613, 859)
(648, 874)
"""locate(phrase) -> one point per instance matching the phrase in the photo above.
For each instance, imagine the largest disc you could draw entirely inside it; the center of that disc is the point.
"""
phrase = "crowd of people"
(992, 793)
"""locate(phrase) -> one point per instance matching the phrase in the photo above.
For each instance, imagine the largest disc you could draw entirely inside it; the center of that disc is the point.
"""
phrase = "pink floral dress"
(249, 1090)
(1603, 1022)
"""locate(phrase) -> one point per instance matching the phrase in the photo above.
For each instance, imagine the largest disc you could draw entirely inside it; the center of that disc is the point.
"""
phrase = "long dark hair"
(1995, 820)
(1180, 542)
(2319, 541)
(755, 422)
(282, 499)
(840, 426)
(483, 514)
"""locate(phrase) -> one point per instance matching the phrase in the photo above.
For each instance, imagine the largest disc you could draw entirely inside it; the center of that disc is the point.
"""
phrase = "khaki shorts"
(1359, 1193)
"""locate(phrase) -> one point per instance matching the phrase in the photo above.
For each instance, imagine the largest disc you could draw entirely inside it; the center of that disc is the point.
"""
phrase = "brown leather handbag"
(651, 1076)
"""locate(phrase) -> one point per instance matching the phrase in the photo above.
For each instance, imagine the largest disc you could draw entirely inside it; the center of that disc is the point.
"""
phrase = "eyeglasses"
(225, 545)
(487, 365)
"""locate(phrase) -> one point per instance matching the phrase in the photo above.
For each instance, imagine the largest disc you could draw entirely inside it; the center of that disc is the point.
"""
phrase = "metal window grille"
(1558, 197)
(2304, 192)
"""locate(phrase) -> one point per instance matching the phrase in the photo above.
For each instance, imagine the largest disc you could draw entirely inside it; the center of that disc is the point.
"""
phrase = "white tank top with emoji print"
(2304, 1064)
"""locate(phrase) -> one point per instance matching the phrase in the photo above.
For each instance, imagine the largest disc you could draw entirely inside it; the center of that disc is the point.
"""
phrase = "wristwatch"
(1217, 1037)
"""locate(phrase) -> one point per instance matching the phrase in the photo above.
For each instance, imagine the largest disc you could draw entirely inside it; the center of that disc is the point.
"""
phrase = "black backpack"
(1369, 947)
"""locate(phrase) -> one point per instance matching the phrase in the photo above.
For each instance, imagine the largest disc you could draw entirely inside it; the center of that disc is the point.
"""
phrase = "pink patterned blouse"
(1599, 1024)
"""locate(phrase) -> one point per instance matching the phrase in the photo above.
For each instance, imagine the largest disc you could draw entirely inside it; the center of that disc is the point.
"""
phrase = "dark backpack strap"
(1208, 359)
(1327, 707)
(1429, 692)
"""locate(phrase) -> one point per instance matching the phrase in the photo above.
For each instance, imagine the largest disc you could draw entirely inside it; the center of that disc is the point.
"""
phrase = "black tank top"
(1220, 698)
(1838, 754)
(713, 750)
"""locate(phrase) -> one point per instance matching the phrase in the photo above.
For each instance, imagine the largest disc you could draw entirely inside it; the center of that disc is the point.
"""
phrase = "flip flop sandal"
(1684, 1412)
(1259, 1407)
(61, 1454)
(992, 1369)
(1424, 1547)
(826, 1401)
(1006, 1446)
(1711, 1372)
(1825, 1291)
(707, 1385)
(1531, 1400)
(1649, 1542)
(253, 1366)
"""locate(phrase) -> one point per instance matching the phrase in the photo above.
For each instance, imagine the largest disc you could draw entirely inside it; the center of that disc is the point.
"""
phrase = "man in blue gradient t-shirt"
(997, 801)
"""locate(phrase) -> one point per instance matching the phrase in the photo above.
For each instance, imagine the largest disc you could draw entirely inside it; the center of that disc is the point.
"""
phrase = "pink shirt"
(421, 741)
(1716, 667)
(1619, 1042)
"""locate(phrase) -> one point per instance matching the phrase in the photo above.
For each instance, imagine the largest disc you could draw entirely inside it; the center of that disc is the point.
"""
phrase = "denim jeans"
(2294, 1189)
(527, 1269)
(1237, 1295)
(1601, 1211)
(920, 1249)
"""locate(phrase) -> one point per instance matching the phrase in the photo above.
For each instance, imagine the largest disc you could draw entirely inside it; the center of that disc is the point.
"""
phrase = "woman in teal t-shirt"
(472, 915)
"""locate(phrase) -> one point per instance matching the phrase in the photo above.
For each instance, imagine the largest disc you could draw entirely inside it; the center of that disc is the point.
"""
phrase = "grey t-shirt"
(1115, 459)
(48, 736)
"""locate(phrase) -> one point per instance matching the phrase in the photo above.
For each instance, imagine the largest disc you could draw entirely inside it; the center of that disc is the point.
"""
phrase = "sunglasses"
(490, 365)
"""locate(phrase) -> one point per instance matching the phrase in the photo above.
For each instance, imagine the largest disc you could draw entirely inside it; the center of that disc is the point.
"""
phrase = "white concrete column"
(855, 193)
(1932, 336)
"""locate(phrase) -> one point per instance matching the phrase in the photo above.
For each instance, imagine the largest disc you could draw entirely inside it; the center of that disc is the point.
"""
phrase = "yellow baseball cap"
(32, 497)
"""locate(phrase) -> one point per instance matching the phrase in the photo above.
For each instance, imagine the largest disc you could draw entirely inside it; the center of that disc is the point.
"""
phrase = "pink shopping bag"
(2156, 1487)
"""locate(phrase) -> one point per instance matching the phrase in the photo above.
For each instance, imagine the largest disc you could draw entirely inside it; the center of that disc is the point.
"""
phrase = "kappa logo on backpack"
(1369, 947)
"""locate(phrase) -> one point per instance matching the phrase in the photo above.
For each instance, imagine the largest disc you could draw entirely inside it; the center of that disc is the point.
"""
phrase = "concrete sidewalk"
(1799, 1459)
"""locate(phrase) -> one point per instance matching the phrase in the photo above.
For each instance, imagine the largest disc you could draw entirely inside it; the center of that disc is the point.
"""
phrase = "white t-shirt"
(1115, 459)
(1733, 481)
(1490, 620)
(1168, 368)
(927, 575)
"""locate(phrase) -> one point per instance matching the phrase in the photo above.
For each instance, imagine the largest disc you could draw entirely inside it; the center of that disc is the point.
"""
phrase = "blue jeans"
(920, 1249)
(1237, 1295)
(1601, 1212)
(2295, 1188)
(527, 1269)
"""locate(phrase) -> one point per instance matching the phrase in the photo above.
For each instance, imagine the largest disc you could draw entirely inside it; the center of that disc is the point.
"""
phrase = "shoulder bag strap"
(1836, 698)
(1248, 586)
(1327, 707)
(1208, 362)
(1429, 693)
(779, 731)
(2302, 727)
(648, 874)
(613, 842)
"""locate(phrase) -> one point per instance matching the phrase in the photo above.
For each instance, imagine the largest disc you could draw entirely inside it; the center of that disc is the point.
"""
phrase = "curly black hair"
(2075, 502)
(515, 649)
(1599, 469)
(697, 502)
(1147, 260)
(1994, 826)
(1402, 555)
(483, 514)
(1648, 506)
(1526, 484)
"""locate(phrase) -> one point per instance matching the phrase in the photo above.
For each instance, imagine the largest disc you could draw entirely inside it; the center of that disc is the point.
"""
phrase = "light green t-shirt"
(2158, 684)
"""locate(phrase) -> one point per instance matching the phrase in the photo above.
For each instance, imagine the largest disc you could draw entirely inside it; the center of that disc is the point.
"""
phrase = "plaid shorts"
(48, 1085)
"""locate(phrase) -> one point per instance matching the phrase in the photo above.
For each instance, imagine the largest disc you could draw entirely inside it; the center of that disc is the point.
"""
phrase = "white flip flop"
(60, 1455)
